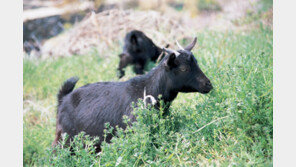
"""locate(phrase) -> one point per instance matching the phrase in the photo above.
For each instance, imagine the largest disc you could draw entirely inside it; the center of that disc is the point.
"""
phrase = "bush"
(80, 152)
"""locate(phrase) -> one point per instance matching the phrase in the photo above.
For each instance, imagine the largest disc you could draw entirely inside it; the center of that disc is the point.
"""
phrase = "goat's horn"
(190, 46)
(169, 51)
(180, 47)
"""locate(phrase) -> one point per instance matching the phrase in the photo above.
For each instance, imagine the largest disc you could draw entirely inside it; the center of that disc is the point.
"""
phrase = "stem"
(209, 124)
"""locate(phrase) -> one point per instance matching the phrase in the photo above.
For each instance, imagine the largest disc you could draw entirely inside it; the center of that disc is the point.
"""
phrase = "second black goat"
(138, 49)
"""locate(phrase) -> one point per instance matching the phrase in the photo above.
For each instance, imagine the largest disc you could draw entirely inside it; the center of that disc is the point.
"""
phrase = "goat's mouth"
(205, 91)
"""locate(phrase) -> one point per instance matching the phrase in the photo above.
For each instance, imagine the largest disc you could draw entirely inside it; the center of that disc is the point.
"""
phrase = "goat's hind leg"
(58, 137)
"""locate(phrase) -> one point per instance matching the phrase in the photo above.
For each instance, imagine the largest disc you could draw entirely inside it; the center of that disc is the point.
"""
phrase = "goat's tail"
(66, 88)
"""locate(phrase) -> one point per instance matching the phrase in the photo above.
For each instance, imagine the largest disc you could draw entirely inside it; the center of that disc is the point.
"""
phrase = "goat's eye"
(183, 69)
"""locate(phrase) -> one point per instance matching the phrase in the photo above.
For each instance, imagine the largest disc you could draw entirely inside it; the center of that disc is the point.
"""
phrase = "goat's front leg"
(125, 60)
(139, 68)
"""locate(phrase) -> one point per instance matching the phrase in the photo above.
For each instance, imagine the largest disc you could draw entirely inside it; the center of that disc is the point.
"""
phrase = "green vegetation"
(262, 10)
(240, 106)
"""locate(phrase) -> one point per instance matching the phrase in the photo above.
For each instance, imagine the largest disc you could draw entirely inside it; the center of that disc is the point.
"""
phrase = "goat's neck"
(158, 83)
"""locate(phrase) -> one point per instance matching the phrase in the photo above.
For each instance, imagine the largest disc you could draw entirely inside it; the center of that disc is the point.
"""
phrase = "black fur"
(138, 49)
(89, 107)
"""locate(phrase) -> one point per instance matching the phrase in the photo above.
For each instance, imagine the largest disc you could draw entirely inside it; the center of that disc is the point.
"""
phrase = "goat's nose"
(209, 85)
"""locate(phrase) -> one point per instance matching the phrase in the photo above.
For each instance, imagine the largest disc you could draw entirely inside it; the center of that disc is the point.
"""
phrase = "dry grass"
(106, 30)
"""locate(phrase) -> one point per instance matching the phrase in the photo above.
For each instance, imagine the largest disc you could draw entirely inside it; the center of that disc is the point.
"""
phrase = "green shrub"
(80, 152)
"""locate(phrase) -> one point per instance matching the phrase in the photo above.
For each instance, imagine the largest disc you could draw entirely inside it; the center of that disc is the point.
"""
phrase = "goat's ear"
(134, 39)
(170, 62)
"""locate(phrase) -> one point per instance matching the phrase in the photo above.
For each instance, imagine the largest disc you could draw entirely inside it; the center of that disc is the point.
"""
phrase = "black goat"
(89, 107)
(138, 49)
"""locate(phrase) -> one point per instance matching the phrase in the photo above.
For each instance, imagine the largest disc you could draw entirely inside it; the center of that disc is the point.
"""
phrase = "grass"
(240, 68)
(260, 12)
